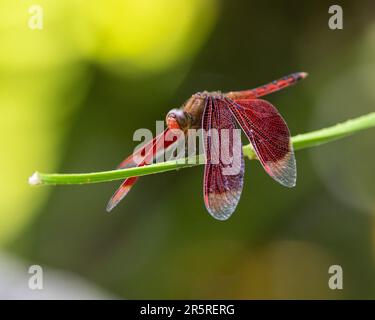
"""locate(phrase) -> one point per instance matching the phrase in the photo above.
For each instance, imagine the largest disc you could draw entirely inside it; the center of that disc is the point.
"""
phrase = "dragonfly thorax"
(189, 116)
(207, 94)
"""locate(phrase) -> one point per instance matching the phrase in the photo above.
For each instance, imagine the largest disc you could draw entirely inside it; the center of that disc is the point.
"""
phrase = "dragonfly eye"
(177, 119)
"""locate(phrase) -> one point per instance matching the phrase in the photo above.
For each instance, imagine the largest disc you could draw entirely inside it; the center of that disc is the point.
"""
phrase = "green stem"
(300, 141)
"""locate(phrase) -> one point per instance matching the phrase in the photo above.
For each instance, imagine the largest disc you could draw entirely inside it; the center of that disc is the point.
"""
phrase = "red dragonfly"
(259, 120)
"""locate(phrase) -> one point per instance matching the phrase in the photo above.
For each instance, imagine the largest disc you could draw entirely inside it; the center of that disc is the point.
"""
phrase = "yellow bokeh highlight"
(43, 75)
(145, 34)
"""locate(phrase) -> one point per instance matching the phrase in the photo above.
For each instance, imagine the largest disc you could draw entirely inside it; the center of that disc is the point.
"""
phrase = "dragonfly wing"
(223, 174)
(121, 192)
(149, 151)
(142, 153)
(270, 137)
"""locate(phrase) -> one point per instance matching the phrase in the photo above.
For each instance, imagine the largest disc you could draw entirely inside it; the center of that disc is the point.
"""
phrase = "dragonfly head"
(178, 119)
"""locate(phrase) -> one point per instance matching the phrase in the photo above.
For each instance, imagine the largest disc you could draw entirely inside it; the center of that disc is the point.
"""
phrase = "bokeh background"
(73, 93)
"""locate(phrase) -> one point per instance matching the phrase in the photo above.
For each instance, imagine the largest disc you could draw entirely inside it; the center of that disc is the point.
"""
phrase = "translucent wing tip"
(111, 204)
(284, 170)
(120, 193)
(114, 201)
(218, 205)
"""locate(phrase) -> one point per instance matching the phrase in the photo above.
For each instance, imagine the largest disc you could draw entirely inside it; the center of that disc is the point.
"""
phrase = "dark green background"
(160, 242)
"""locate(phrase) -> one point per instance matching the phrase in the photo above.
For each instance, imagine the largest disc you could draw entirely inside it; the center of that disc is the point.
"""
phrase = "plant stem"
(300, 141)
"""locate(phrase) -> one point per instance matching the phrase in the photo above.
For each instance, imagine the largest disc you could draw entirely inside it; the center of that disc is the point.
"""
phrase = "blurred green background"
(73, 93)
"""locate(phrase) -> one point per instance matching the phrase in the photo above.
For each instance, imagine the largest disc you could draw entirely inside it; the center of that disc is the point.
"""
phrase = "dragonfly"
(261, 123)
